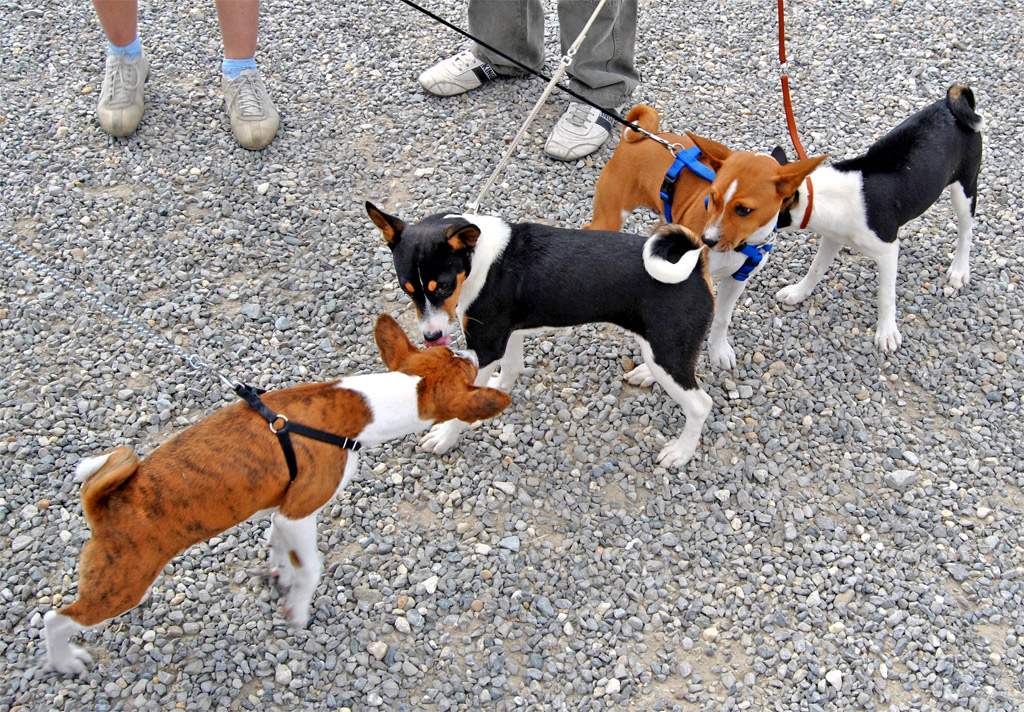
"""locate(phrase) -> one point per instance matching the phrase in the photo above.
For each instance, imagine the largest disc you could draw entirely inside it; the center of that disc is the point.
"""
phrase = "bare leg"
(239, 22)
(119, 20)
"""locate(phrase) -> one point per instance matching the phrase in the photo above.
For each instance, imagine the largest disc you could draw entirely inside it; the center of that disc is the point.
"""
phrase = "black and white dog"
(499, 280)
(862, 202)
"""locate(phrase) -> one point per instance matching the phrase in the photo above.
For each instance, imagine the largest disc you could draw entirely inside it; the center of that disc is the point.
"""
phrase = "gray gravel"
(848, 537)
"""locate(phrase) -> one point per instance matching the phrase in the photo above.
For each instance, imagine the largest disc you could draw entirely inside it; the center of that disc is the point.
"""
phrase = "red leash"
(790, 119)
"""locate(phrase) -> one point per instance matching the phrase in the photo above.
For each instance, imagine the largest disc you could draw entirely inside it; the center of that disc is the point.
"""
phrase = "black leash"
(251, 395)
(611, 114)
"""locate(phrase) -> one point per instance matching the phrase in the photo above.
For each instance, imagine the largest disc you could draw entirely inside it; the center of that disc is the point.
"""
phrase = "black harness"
(251, 395)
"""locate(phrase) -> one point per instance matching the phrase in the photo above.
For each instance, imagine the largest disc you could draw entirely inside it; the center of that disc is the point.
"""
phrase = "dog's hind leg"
(696, 404)
(114, 577)
(959, 274)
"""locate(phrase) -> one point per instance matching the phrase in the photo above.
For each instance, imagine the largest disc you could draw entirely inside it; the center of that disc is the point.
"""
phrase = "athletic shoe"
(254, 120)
(579, 132)
(457, 75)
(121, 105)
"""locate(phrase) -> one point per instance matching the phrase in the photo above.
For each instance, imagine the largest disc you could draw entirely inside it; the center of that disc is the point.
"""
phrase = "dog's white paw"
(74, 663)
(281, 571)
(722, 355)
(958, 276)
(441, 438)
(675, 453)
(888, 337)
(641, 376)
(793, 294)
(296, 611)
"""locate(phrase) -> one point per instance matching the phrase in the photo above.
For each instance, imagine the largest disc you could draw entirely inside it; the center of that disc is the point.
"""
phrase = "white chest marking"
(494, 237)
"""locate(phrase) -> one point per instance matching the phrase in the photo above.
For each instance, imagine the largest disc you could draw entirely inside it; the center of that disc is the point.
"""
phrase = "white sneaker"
(120, 108)
(457, 75)
(254, 118)
(581, 131)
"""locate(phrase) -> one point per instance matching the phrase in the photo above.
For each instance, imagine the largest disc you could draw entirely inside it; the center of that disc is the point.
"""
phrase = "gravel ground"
(848, 537)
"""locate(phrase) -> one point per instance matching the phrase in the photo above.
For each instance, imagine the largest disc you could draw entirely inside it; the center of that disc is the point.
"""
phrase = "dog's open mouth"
(442, 341)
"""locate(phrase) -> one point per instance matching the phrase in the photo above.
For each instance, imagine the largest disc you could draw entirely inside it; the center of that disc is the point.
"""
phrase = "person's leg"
(516, 27)
(254, 119)
(119, 20)
(602, 71)
(121, 103)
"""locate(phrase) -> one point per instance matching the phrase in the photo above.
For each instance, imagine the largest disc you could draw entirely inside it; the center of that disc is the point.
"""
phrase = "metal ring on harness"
(274, 430)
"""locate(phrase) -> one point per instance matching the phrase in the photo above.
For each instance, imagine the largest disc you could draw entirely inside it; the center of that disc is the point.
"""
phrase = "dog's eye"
(743, 211)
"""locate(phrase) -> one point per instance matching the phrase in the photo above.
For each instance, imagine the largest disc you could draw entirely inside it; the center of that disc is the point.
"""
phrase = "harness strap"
(685, 158)
(251, 395)
(755, 255)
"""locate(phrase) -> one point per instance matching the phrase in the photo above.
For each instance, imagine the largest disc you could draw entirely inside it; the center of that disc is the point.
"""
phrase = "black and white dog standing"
(499, 280)
(862, 202)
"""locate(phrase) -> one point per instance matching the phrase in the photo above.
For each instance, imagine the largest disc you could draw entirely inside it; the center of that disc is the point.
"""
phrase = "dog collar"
(251, 395)
(685, 158)
(755, 255)
(810, 204)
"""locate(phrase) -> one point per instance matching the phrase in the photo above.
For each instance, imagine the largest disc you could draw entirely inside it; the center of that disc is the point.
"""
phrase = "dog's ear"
(779, 154)
(391, 227)
(479, 403)
(791, 175)
(716, 152)
(462, 237)
(394, 345)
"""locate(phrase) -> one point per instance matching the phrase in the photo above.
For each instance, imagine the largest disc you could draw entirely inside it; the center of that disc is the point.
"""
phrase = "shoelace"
(124, 78)
(248, 95)
(465, 60)
(578, 115)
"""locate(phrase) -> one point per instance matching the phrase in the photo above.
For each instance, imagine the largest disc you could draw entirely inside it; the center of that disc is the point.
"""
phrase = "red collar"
(810, 204)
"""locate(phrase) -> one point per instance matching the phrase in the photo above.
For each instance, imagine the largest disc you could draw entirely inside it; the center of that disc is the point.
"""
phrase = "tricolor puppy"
(229, 466)
(863, 202)
(499, 279)
(742, 205)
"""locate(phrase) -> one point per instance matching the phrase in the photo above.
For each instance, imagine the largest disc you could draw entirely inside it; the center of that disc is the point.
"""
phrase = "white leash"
(562, 66)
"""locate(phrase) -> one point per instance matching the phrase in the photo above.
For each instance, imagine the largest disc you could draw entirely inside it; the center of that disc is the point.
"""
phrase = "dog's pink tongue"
(443, 341)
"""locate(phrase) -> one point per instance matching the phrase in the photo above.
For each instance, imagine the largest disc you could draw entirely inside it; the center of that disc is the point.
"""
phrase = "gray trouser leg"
(603, 70)
(516, 27)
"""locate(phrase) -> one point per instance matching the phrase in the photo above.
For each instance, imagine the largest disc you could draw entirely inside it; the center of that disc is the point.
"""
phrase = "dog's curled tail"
(960, 100)
(646, 117)
(671, 253)
(102, 474)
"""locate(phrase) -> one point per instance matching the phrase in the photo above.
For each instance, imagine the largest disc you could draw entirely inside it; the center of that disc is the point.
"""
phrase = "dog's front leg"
(796, 293)
(720, 352)
(887, 334)
(440, 438)
(960, 270)
(298, 539)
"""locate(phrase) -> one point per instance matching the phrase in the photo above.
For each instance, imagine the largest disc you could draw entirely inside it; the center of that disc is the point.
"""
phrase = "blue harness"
(687, 158)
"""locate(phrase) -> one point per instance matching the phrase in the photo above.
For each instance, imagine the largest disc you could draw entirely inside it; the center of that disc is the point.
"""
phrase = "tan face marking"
(409, 288)
(751, 200)
(432, 286)
(453, 301)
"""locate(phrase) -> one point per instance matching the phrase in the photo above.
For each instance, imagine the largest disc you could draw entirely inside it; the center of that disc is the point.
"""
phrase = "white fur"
(696, 405)
(494, 236)
(63, 657)
(90, 466)
(669, 272)
(712, 231)
(394, 402)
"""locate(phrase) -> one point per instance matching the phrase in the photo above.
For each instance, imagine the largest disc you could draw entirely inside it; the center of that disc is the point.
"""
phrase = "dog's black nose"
(432, 336)
(710, 242)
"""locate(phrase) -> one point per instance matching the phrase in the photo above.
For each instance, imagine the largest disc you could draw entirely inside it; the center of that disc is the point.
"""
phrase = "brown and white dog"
(743, 203)
(229, 466)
